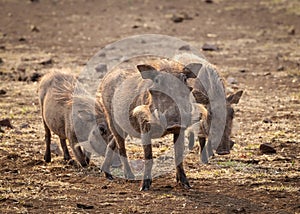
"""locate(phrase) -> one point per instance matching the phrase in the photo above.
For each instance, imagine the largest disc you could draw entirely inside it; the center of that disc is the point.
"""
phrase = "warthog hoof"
(145, 185)
(183, 181)
(47, 158)
(185, 185)
(108, 176)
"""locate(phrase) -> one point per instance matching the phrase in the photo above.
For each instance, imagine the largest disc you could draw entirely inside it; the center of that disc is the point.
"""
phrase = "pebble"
(266, 148)
(292, 31)
(177, 19)
(24, 126)
(22, 39)
(84, 206)
(101, 68)
(185, 48)
(48, 61)
(280, 68)
(232, 80)
(209, 47)
(6, 122)
(34, 28)
(267, 120)
(35, 76)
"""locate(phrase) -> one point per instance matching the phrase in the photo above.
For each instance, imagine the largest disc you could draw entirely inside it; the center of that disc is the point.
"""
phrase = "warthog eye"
(183, 78)
(102, 129)
(156, 80)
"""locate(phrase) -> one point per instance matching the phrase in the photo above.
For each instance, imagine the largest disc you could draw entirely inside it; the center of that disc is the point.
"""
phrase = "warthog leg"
(65, 149)
(147, 146)
(123, 155)
(108, 159)
(178, 140)
(47, 156)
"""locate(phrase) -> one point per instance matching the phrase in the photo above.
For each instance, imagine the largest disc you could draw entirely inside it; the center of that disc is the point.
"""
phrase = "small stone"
(101, 68)
(292, 31)
(209, 1)
(280, 68)
(22, 39)
(34, 28)
(177, 19)
(231, 80)
(35, 77)
(1, 61)
(267, 120)
(185, 48)
(46, 61)
(209, 47)
(2, 92)
(242, 70)
(239, 210)
(86, 207)
(266, 148)
(2, 47)
(24, 126)
(135, 26)
(104, 187)
(6, 122)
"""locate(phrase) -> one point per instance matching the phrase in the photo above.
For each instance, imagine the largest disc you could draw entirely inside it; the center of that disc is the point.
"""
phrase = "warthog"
(208, 85)
(68, 111)
(148, 100)
(202, 130)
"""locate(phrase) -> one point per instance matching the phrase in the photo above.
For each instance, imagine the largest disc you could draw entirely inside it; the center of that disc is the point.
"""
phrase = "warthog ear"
(234, 98)
(192, 70)
(147, 71)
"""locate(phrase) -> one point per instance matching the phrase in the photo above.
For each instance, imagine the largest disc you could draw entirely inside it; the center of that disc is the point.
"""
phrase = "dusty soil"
(258, 51)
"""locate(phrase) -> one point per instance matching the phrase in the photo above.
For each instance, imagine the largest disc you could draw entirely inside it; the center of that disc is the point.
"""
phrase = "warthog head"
(202, 97)
(168, 95)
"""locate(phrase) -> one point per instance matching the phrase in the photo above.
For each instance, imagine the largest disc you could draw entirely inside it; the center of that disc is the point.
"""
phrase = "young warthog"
(204, 125)
(147, 101)
(71, 115)
(209, 90)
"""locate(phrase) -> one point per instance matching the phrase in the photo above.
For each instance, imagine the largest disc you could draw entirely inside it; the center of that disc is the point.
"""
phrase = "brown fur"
(58, 94)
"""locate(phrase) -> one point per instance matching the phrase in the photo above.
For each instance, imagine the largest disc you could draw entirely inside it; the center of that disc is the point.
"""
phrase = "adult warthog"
(148, 99)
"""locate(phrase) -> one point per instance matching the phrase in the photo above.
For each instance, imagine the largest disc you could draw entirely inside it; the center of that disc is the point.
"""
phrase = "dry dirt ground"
(258, 51)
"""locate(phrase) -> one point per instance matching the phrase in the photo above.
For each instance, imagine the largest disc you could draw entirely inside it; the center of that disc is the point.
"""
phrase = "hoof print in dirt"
(266, 148)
